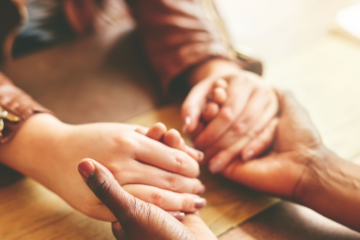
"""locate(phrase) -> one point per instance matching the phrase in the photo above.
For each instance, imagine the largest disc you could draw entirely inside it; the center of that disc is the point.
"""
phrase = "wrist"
(33, 144)
(316, 161)
(332, 189)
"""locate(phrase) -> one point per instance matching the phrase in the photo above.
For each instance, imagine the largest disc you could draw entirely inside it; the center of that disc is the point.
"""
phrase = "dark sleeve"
(19, 105)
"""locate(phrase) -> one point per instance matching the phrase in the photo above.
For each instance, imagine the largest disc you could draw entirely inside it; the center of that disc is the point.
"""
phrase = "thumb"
(101, 181)
(193, 105)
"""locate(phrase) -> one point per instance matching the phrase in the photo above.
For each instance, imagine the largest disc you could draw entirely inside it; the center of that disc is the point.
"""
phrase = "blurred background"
(275, 29)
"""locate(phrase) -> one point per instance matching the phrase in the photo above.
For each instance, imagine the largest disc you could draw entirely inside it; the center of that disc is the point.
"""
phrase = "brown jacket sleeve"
(177, 35)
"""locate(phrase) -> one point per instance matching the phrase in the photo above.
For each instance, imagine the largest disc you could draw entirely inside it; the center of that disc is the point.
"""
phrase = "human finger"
(219, 95)
(117, 230)
(211, 110)
(138, 219)
(193, 105)
(101, 181)
(157, 131)
(224, 157)
(159, 178)
(221, 83)
(172, 138)
(254, 109)
(195, 154)
(177, 214)
(166, 200)
(159, 155)
(271, 110)
(200, 127)
(228, 114)
(261, 142)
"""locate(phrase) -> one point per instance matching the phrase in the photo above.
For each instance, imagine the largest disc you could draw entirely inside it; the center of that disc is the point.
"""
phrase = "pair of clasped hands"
(141, 175)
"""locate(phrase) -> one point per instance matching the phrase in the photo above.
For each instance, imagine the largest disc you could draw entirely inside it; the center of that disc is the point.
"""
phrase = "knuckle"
(180, 161)
(158, 197)
(127, 144)
(174, 182)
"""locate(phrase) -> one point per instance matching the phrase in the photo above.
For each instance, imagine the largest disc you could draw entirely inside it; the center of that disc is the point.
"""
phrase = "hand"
(138, 220)
(250, 105)
(146, 168)
(296, 144)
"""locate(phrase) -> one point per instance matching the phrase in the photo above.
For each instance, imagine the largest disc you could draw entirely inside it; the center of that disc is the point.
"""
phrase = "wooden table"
(79, 90)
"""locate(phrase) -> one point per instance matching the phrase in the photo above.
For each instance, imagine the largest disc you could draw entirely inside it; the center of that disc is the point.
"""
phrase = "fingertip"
(219, 95)
(160, 125)
(172, 138)
(85, 168)
(187, 123)
(222, 83)
(216, 164)
(211, 110)
(202, 189)
(116, 229)
(248, 155)
(196, 154)
(157, 131)
(200, 203)
(174, 132)
(191, 121)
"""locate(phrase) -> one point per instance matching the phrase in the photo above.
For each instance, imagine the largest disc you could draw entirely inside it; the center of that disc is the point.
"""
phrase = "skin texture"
(54, 152)
(247, 106)
(138, 220)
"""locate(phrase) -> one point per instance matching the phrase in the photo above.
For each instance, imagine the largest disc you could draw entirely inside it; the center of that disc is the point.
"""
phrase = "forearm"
(331, 186)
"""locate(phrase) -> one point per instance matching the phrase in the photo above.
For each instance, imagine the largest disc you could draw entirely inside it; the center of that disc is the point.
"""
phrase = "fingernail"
(200, 203)
(85, 169)
(202, 189)
(187, 123)
(215, 167)
(179, 216)
(248, 155)
(201, 156)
